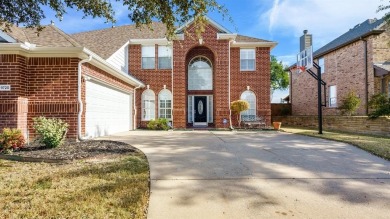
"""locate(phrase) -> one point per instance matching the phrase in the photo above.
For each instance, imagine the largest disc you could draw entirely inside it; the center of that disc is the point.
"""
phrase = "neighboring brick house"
(190, 82)
(358, 60)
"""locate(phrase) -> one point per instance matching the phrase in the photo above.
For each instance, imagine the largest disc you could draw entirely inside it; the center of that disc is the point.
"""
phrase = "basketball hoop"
(298, 69)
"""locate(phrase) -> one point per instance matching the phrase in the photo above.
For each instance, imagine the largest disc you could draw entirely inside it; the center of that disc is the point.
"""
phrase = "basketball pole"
(319, 97)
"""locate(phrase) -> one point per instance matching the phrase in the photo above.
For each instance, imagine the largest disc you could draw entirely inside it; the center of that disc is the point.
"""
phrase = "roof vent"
(305, 31)
(52, 22)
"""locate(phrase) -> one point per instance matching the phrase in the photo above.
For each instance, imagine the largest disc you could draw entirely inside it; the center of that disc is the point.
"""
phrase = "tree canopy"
(29, 13)
(385, 7)
(279, 77)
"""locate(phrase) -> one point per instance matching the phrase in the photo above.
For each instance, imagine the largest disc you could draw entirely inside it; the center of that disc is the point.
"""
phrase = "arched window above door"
(200, 74)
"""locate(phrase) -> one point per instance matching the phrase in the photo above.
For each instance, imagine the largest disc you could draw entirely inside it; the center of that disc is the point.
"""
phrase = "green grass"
(379, 146)
(111, 188)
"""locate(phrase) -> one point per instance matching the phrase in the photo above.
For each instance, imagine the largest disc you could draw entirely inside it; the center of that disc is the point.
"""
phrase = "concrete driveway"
(215, 174)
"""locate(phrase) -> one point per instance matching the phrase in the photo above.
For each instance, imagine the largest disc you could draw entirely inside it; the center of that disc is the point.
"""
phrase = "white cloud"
(287, 60)
(325, 19)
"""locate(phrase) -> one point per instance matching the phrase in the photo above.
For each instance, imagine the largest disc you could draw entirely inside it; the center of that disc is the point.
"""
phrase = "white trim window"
(200, 74)
(164, 57)
(148, 105)
(148, 57)
(165, 104)
(247, 59)
(321, 63)
(250, 114)
(333, 96)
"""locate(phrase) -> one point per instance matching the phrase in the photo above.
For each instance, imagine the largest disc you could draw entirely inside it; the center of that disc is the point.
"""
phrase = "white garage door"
(107, 110)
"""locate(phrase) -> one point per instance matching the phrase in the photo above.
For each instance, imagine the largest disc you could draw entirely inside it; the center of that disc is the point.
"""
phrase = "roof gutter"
(254, 44)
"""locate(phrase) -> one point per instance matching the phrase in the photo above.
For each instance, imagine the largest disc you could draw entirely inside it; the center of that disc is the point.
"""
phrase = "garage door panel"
(107, 110)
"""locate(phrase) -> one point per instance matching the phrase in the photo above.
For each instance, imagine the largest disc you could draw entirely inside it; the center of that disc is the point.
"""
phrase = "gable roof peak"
(221, 28)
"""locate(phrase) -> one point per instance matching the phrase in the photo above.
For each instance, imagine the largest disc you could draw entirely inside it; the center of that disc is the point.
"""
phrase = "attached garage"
(108, 110)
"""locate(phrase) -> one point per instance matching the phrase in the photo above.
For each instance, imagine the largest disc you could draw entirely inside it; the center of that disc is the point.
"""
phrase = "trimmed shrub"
(237, 107)
(380, 106)
(52, 132)
(349, 104)
(159, 124)
(11, 139)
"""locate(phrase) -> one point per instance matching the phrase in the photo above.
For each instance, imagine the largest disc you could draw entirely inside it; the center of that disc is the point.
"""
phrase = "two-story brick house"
(356, 61)
(131, 76)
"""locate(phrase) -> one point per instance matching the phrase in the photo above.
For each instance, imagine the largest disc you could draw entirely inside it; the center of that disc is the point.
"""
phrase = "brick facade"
(344, 68)
(217, 51)
(44, 87)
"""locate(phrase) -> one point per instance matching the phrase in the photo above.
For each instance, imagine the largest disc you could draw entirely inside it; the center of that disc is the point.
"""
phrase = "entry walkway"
(206, 174)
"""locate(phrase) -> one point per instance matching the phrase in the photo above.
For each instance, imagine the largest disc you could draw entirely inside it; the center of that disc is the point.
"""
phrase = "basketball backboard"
(305, 59)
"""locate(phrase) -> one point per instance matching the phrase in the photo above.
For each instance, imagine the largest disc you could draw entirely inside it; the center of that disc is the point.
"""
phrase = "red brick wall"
(155, 78)
(258, 81)
(13, 72)
(218, 53)
(44, 87)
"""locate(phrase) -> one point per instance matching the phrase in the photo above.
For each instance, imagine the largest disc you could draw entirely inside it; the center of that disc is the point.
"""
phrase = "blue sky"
(282, 21)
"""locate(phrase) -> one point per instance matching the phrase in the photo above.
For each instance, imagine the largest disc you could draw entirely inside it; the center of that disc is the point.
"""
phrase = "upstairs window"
(148, 57)
(247, 59)
(164, 57)
(321, 63)
(332, 96)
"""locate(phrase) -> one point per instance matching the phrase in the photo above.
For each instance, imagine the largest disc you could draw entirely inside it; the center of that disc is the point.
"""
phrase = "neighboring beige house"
(358, 60)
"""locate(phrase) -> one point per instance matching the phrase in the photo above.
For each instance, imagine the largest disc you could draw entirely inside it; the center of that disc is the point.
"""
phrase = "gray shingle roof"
(50, 36)
(368, 27)
(242, 38)
(106, 42)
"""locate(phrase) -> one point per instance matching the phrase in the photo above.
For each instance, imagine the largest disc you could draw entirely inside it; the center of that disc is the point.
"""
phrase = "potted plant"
(277, 125)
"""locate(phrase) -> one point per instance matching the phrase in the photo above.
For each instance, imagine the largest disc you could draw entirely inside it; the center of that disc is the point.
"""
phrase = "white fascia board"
(254, 44)
(105, 66)
(7, 37)
(77, 52)
(160, 41)
(30, 50)
(226, 36)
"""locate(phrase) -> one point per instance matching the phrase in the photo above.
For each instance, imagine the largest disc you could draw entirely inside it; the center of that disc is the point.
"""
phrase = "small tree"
(380, 106)
(237, 107)
(350, 104)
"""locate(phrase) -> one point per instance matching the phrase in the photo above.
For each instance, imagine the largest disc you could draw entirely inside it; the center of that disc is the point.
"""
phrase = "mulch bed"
(77, 150)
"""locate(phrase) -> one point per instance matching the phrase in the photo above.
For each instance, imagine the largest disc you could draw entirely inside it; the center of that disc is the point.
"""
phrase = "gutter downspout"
(79, 134)
(366, 72)
(135, 107)
(172, 86)
(230, 111)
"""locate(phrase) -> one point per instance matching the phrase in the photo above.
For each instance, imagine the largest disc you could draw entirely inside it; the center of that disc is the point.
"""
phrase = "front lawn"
(103, 188)
(376, 145)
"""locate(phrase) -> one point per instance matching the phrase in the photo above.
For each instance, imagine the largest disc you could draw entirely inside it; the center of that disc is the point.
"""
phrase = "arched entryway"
(200, 87)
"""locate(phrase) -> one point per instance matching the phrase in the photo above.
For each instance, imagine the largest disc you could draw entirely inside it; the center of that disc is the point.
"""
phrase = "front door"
(200, 110)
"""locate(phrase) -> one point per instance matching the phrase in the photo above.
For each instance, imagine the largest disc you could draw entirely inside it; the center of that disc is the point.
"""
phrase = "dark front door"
(200, 108)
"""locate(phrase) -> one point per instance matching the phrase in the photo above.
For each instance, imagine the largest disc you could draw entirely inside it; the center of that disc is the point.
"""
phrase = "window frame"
(251, 109)
(169, 56)
(163, 93)
(207, 61)
(148, 110)
(149, 57)
(241, 59)
(334, 105)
